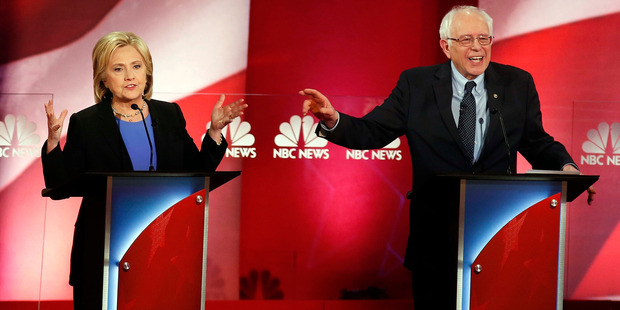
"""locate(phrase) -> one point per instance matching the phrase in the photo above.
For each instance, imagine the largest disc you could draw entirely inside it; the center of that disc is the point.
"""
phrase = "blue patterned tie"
(467, 120)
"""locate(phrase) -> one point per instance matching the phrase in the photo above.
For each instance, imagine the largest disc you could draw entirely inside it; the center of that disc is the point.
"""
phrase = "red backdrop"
(312, 228)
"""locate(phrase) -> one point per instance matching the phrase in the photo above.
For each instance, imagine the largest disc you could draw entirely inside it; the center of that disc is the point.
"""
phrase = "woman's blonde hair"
(102, 52)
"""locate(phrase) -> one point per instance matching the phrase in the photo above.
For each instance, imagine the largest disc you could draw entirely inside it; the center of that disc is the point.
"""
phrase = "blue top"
(137, 143)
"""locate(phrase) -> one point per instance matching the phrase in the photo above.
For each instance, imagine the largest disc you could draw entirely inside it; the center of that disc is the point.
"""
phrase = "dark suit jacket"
(94, 143)
(419, 107)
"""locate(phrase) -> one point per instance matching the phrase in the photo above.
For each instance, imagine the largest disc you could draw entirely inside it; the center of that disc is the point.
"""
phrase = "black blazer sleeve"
(176, 150)
(520, 107)
(377, 128)
(59, 166)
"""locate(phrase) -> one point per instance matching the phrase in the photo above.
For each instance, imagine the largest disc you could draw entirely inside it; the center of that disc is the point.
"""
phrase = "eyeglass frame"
(473, 39)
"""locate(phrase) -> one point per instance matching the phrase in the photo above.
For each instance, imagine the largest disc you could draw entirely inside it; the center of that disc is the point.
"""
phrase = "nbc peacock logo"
(603, 146)
(241, 140)
(289, 138)
(18, 137)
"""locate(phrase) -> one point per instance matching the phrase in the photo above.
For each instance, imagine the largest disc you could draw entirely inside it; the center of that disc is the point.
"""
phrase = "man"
(430, 106)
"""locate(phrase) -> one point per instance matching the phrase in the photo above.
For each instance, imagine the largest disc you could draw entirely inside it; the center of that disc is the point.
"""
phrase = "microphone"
(494, 110)
(135, 107)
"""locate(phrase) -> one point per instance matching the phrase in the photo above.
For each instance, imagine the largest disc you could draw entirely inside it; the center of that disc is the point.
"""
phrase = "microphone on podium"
(495, 110)
(135, 107)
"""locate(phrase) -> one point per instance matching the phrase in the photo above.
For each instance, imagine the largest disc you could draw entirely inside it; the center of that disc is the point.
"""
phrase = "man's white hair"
(446, 22)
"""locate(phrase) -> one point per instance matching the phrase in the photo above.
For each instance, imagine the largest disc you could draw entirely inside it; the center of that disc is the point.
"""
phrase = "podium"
(156, 228)
(511, 233)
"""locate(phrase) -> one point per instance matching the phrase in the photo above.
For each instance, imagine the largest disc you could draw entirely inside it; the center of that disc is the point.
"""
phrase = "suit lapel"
(112, 135)
(443, 93)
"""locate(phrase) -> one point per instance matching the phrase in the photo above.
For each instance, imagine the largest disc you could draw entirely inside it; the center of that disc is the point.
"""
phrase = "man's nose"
(475, 45)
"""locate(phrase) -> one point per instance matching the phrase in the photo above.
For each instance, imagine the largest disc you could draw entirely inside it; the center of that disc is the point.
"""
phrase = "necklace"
(126, 115)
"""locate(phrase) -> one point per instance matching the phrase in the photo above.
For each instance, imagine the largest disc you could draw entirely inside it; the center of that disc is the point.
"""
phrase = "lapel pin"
(495, 96)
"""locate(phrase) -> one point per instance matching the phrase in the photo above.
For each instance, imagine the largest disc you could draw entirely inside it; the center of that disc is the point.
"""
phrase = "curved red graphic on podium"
(518, 267)
(165, 261)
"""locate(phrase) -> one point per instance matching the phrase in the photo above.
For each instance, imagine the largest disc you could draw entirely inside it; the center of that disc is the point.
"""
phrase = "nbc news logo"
(288, 140)
(18, 137)
(598, 146)
(388, 152)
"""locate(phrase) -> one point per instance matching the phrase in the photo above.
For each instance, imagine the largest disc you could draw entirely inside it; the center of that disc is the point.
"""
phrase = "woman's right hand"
(54, 125)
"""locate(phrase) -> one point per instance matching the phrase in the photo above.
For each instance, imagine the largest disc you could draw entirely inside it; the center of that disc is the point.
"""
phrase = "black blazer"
(419, 107)
(94, 143)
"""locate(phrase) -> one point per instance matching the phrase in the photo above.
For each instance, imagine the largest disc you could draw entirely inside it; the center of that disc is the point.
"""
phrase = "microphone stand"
(135, 107)
(501, 122)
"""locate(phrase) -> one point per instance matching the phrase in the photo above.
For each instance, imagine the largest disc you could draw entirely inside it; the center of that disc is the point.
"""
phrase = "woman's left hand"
(224, 115)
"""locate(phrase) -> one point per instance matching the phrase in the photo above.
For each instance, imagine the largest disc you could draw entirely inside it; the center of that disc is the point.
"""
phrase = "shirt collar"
(458, 81)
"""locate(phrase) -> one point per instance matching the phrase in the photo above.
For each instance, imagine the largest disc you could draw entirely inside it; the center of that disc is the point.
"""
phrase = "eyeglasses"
(467, 41)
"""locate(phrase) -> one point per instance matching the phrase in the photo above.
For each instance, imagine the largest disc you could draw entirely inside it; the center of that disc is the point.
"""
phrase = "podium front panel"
(134, 203)
(487, 206)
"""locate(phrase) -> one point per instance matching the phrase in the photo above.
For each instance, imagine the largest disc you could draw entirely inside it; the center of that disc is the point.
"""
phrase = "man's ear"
(445, 48)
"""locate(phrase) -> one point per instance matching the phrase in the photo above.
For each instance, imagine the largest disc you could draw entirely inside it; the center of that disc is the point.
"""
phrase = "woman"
(110, 136)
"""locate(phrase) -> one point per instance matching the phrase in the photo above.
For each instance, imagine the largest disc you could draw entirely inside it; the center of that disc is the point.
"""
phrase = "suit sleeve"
(377, 128)
(540, 149)
(210, 154)
(54, 172)
(60, 166)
